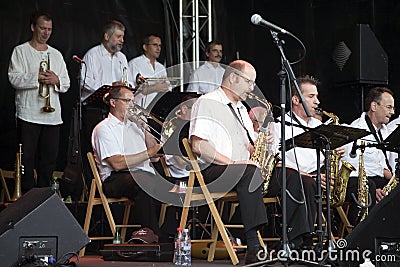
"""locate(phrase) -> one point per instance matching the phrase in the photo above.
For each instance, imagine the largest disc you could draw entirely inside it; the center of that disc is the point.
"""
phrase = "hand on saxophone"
(380, 194)
(341, 151)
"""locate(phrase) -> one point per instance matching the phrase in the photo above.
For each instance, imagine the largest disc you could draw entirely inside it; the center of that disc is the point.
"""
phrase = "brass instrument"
(142, 80)
(124, 75)
(364, 199)
(340, 176)
(263, 156)
(19, 170)
(44, 89)
(393, 182)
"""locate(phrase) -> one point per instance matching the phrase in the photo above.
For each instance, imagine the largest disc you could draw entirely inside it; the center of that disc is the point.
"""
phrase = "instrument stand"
(285, 73)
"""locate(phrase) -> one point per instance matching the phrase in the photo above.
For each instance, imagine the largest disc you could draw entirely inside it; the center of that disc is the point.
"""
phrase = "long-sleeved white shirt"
(101, 68)
(23, 74)
(143, 66)
(206, 78)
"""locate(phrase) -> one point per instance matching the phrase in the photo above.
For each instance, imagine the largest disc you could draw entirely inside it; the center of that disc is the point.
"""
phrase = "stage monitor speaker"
(379, 233)
(359, 58)
(38, 226)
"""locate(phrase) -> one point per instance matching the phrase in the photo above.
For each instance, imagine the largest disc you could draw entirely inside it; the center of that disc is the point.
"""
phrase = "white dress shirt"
(23, 73)
(206, 78)
(143, 66)
(374, 159)
(213, 120)
(101, 68)
(304, 158)
(113, 137)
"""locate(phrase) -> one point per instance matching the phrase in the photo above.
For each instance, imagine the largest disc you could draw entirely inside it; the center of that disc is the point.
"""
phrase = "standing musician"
(379, 106)
(301, 166)
(38, 73)
(147, 66)
(225, 150)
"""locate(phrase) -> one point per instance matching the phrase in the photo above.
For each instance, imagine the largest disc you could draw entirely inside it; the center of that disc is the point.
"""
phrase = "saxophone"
(19, 170)
(393, 182)
(340, 176)
(363, 200)
(263, 156)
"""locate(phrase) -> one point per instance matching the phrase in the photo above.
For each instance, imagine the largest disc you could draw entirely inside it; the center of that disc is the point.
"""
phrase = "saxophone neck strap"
(240, 120)
(378, 137)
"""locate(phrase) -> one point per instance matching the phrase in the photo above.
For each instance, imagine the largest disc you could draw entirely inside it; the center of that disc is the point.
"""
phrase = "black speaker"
(38, 226)
(359, 58)
(379, 233)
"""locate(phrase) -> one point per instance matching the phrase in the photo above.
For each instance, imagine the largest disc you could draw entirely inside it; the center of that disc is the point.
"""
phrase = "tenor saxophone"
(263, 156)
(18, 174)
(340, 176)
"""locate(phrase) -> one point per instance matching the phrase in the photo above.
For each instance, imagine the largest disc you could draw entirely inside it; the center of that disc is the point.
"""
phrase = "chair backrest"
(96, 175)
(3, 175)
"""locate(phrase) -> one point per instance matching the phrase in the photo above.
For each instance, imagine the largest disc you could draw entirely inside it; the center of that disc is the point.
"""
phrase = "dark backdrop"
(318, 23)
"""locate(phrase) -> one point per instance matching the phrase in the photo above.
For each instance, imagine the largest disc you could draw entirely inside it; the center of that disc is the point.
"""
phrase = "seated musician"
(301, 166)
(379, 106)
(123, 150)
(221, 134)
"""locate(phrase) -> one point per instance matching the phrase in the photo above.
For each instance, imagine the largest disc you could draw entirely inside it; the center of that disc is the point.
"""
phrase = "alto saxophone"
(19, 170)
(364, 199)
(263, 156)
(340, 176)
(393, 182)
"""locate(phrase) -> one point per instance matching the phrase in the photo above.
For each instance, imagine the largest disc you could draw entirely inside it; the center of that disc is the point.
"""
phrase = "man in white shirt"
(123, 149)
(301, 166)
(391, 127)
(379, 106)
(148, 67)
(225, 150)
(38, 122)
(105, 64)
(208, 76)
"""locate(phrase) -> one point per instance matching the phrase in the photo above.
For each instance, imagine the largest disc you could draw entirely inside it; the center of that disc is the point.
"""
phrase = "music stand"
(328, 137)
(393, 141)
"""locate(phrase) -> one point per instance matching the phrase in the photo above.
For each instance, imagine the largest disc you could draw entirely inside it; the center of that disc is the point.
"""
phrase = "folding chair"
(101, 199)
(220, 228)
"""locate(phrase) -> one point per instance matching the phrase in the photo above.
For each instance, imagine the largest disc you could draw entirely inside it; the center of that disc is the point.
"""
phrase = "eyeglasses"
(388, 107)
(155, 45)
(250, 82)
(126, 100)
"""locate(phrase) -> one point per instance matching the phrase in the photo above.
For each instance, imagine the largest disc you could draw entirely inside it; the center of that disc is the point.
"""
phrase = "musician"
(301, 166)
(148, 67)
(105, 64)
(393, 156)
(123, 150)
(208, 76)
(379, 106)
(225, 150)
(38, 131)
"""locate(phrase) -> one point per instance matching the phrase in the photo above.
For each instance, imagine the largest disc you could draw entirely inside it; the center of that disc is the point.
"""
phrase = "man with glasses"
(379, 106)
(225, 150)
(123, 149)
(148, 67)
(208, 76)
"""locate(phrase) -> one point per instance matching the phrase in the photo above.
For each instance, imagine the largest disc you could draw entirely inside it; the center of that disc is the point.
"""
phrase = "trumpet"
(19, 170)
(141, 80)
(44, 89)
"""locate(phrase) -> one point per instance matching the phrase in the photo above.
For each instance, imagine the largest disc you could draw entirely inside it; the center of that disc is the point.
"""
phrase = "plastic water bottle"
(117, 236)
(186, 249)
(56, 186)
(178, 247)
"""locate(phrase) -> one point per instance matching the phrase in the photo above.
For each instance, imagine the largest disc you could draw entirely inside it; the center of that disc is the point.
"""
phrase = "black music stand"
(327, 137)
(393, 141)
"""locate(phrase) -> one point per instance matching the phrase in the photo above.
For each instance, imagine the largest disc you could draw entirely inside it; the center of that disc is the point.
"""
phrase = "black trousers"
(122, 184)
(246, 181)
(301, 204)
(40, 150)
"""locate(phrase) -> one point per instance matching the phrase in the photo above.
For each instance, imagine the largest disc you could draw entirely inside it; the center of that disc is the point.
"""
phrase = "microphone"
(258, 20)
(353, 152)
(78, 59)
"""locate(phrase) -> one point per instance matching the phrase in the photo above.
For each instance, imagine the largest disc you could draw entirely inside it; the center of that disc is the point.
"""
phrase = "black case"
(138, 252)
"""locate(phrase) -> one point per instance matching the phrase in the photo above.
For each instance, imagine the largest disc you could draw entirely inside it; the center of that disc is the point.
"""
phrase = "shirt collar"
(113, 120)
(104, 52)
(225, 100)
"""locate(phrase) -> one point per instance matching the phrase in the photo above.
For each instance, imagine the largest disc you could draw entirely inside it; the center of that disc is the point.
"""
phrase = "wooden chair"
(5, 193)
(101, 199)
(220, 227)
